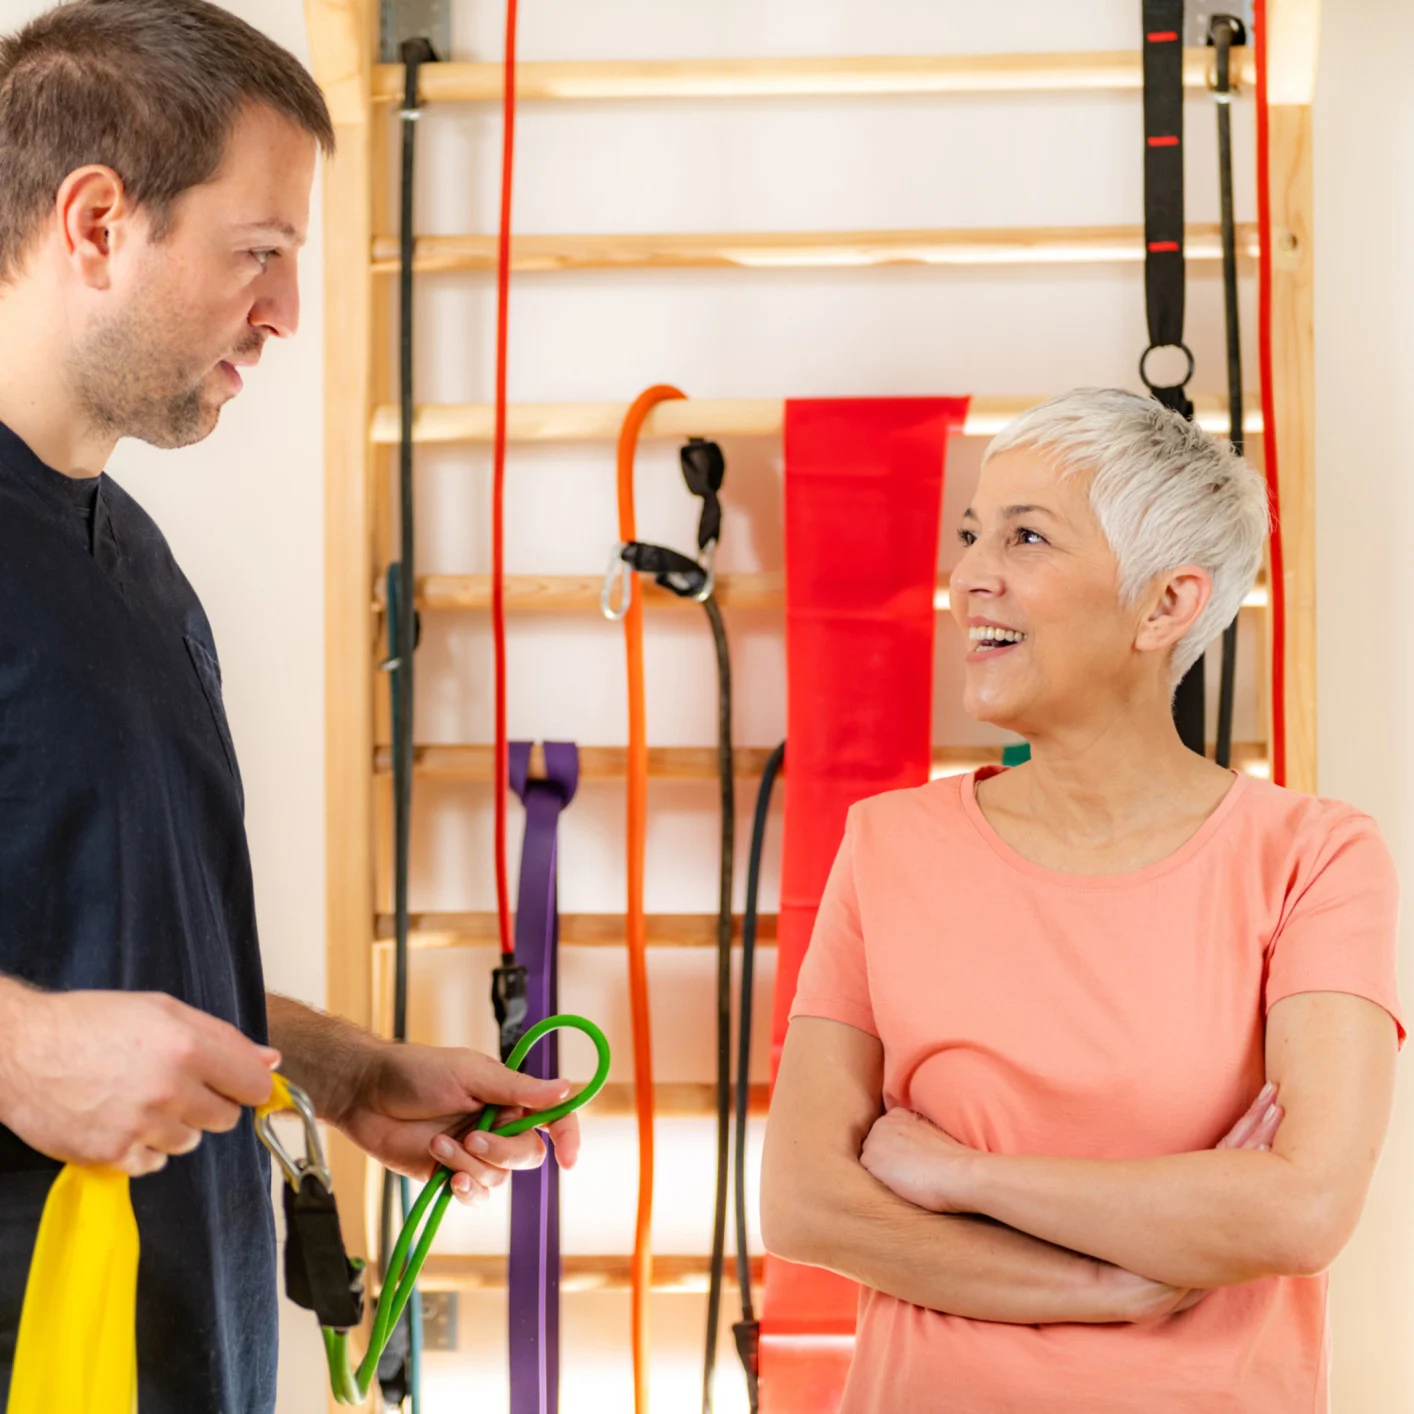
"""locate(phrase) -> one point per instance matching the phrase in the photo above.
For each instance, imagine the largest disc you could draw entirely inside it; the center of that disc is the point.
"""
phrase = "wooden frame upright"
(359, 390)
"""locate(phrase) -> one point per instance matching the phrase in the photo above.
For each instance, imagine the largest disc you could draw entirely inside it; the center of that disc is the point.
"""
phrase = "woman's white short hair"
(1165, 492)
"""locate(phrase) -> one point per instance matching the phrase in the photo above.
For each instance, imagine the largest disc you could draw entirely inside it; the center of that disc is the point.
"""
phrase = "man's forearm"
(324, 1055)
(1206, 1219)
(963, 1266)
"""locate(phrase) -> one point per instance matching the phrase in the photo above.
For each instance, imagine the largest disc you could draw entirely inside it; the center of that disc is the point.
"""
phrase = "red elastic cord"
(498, 529)
(1277, 588)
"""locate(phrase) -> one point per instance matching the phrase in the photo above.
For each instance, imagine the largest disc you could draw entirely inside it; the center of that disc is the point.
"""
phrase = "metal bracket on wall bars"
(410, 19)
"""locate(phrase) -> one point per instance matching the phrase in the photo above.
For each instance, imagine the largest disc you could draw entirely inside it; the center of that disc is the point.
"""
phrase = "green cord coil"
(351, 1386)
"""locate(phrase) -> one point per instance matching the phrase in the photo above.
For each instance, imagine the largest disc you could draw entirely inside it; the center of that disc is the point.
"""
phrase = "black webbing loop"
(1224, 31)
(703, 468)
(318, 1273)
(1163, 192)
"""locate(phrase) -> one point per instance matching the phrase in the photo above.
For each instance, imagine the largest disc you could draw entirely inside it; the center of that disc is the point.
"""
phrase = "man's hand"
(124, 1079)
(412, 1102)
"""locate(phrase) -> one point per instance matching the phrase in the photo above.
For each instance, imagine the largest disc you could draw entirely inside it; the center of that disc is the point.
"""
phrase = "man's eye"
(263, 257)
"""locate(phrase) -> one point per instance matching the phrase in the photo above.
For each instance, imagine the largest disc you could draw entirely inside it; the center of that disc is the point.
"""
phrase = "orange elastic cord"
(1269, 421)
(636, 925)
(498, 483)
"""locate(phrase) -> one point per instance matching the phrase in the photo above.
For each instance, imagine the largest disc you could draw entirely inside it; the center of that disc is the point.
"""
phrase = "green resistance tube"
(351, 1386)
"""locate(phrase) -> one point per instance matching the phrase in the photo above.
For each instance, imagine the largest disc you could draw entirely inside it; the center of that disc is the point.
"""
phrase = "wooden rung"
(593, 930)
(571, 593)
(794, 250)
(444, 423)
(682, 1275)
(689, 763)
(823, 77)
(682, 1100)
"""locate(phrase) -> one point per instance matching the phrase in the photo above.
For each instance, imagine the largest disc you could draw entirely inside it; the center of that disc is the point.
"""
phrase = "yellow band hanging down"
(77, 1346)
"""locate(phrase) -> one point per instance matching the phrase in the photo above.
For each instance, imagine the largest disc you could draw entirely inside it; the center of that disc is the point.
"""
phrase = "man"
(156, 160)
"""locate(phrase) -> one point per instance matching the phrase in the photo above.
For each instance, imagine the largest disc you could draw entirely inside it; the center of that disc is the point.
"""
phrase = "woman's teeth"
(987, 636)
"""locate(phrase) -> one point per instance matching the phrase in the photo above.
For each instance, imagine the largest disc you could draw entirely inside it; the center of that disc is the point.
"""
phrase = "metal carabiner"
(619, 569)
(314, 1162)
(707, 559)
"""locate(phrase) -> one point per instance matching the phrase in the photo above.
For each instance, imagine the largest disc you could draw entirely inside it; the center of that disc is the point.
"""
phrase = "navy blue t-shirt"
(124, 865)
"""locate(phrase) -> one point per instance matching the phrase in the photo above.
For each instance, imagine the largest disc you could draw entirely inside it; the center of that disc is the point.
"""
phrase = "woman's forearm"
(1206, 1219)
(964, 1266)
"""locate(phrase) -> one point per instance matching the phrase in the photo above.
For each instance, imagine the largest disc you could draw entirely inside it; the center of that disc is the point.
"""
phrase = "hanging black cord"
(399, 1370)
(1224, 31)
(724, 990)
(748, 1330)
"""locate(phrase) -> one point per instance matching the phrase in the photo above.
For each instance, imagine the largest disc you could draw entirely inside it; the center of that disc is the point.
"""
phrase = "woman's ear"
(1179, 599)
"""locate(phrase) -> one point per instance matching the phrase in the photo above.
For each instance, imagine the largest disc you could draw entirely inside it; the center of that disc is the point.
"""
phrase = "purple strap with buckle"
(535, 1196)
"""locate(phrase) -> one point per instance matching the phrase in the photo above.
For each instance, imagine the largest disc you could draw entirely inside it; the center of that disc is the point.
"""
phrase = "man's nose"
(276, 310)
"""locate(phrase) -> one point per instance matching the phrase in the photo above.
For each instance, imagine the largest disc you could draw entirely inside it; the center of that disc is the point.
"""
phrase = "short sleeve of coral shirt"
(1028, 1011)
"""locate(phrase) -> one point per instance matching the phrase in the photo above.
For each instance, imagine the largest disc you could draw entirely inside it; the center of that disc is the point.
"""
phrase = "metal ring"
(619, 569)
(1144, 360)
(707, 559)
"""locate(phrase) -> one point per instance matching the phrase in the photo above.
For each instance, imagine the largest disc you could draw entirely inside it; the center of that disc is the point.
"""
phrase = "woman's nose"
(975, 573)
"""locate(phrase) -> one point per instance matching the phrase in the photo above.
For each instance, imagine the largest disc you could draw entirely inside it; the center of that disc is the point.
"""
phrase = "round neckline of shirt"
(54, 485)
(1018, 861)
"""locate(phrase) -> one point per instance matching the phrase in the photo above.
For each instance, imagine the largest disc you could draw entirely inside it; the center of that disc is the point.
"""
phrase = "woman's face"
(1036, 596)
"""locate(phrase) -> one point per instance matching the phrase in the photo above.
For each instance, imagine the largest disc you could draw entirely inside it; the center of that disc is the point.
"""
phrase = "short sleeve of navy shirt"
(124, 865)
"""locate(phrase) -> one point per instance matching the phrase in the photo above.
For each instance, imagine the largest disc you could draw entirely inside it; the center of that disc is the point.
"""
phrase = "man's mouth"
(230, 370)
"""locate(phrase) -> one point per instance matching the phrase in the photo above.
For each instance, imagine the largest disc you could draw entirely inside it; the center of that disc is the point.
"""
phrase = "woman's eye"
(1028, 537)
(966, 537)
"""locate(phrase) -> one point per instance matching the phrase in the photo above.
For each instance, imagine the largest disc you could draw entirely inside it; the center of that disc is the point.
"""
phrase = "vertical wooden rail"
(1293, 38)
(341, 42)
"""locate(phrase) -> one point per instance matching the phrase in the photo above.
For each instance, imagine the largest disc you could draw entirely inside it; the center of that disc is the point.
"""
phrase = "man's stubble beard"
(130, 384)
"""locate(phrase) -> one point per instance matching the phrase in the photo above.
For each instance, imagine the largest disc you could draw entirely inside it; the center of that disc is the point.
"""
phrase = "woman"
(1074, 989)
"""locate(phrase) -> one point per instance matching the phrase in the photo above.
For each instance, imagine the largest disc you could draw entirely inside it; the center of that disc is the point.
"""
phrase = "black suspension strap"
(747, 1331)
(1225, 31)
(399, 1368)
(1164, 269)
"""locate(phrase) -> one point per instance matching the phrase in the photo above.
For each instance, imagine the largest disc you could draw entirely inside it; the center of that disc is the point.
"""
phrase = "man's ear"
(91, 206)
(1176, 603)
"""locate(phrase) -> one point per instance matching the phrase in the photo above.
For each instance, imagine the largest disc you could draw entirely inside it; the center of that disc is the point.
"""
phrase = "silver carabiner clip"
(619, 570)
(707, 559)
(314, 1162)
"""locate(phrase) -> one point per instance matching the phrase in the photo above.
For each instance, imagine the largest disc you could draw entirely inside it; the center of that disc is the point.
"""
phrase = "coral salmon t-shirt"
(1029, 1011)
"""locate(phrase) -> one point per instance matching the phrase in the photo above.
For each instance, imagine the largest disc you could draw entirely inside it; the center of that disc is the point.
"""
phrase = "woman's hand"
(912, 1157)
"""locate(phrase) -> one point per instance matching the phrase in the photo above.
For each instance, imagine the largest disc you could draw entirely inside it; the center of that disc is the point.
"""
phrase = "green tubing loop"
(351, 1386)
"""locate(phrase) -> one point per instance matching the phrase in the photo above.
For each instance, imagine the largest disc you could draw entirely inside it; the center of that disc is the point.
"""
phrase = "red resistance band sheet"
(863, 498)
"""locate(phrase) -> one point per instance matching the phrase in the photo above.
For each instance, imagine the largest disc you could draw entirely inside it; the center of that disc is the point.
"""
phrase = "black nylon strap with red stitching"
(1164, 264)
(1163, 188)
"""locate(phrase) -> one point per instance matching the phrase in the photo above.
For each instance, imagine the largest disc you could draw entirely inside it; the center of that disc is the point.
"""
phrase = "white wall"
(244, 514)
(1364, 161)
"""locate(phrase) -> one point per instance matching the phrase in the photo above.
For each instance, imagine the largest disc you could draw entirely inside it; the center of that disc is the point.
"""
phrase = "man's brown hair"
(150, 88)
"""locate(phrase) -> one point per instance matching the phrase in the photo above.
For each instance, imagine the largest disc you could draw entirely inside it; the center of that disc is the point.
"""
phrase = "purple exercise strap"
(535, 1196)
